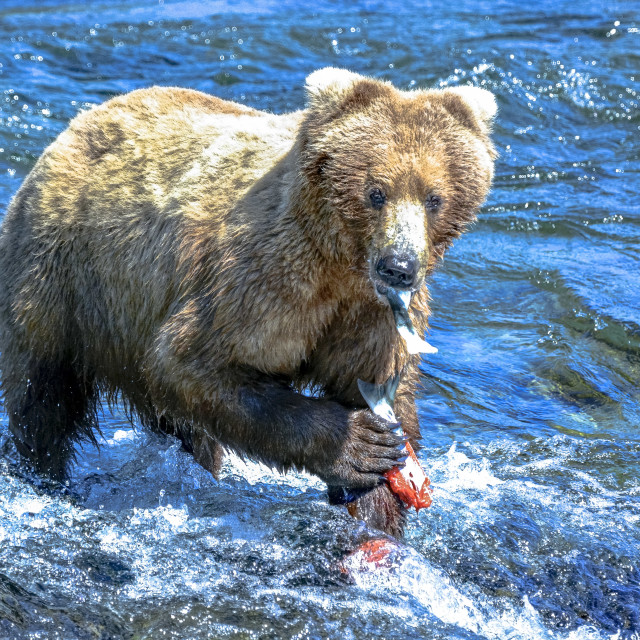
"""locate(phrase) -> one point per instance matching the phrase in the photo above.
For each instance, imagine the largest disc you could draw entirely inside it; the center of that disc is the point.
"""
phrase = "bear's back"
(120, 203)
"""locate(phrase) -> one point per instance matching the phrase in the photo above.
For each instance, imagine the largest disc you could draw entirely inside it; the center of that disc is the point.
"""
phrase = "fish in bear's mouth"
(399, 301)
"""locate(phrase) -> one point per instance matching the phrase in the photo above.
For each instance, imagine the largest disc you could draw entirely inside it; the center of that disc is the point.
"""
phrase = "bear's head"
(394, 175)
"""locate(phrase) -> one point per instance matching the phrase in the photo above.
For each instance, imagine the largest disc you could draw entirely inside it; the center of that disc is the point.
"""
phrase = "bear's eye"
(433, 202)
(377, 198)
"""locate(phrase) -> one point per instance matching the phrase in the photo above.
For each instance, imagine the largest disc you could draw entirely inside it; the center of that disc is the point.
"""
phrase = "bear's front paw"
(371, 446)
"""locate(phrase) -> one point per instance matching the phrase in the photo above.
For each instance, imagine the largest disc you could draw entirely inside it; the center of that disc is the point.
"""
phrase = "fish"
(409, 482)
(380, 397)
(399, 302)
(372, 555)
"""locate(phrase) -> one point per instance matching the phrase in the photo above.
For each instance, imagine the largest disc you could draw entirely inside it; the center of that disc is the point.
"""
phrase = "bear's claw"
(370, 449)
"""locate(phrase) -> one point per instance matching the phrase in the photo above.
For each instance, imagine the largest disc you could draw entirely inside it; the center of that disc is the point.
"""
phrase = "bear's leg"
(380, 509)
(49, 407)
(208, 453)
(206, 450)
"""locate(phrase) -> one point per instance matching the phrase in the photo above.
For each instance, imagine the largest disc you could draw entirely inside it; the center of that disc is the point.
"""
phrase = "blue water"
(530, 411)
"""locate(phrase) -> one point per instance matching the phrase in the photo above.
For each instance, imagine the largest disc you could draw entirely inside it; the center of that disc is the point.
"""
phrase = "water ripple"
(530, 410)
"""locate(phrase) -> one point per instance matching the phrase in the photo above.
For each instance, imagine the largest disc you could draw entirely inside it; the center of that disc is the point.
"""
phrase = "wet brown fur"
(205, 262)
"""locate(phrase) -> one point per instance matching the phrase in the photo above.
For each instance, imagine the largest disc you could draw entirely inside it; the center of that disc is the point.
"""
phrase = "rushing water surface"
(530, 410)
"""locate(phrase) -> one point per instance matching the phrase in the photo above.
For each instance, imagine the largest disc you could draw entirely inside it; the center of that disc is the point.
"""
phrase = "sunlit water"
(530, 410)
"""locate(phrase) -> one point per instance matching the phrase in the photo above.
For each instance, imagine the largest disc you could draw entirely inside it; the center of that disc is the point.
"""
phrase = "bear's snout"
(398, 271)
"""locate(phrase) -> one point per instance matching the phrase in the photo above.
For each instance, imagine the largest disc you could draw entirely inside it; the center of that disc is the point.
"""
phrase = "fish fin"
(414, 343)
(377, 398)
(390, 387)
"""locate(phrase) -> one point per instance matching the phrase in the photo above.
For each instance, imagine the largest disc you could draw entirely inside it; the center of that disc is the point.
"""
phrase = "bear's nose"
(397, 271)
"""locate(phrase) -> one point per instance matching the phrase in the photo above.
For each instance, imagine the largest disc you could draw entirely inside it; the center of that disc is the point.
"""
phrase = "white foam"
(461, 473)
(412, 576)
(256, 473)
(120, 436)
(29, 505)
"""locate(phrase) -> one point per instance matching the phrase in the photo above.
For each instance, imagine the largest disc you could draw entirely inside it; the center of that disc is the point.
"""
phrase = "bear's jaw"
(383, 290)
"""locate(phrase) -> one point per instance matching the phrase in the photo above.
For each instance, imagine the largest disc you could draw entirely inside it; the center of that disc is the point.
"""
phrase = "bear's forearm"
(265, 419)
(272, 422)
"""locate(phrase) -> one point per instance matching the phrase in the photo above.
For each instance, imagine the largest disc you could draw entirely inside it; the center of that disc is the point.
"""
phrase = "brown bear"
(221, 270)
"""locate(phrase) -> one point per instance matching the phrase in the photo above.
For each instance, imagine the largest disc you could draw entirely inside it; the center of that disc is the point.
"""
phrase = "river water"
(530, 411)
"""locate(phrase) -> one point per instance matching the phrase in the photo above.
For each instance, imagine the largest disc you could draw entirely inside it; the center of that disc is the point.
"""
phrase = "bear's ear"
(328, 86)
(332, 91)
(481, 102)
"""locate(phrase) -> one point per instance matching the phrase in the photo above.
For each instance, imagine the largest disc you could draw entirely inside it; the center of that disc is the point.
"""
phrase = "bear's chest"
(281, 342)
(360, 342)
